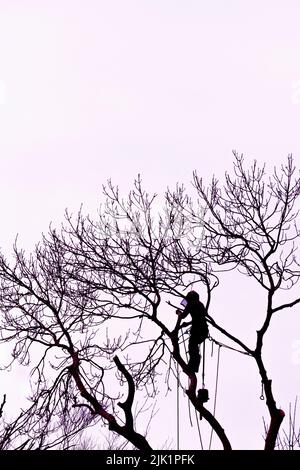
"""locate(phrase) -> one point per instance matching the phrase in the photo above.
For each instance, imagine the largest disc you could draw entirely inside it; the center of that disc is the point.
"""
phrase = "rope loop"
(262, 397)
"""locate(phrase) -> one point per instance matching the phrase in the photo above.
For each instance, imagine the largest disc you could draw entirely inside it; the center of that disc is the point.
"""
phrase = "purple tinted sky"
(98, 89)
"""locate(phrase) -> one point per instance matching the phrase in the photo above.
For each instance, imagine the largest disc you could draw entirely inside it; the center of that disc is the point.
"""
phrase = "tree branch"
(2, 404)
(127, 404)
(288, 305)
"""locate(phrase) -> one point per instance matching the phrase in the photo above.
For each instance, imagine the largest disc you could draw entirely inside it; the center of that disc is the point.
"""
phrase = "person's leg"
(195, 342)
(194, 354)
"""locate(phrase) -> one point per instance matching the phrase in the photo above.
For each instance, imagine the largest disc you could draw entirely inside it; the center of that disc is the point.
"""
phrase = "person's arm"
(183, 313)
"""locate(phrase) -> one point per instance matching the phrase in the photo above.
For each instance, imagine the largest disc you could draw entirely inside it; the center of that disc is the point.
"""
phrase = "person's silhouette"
(199, 329)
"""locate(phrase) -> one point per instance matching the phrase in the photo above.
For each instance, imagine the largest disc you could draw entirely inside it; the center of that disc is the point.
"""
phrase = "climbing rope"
(203, 365)
(203, 386)
(198, 427)
(189, 405)
(219, 344)
(177, 402)
(227, 347)
(177, 414)
(216, 392)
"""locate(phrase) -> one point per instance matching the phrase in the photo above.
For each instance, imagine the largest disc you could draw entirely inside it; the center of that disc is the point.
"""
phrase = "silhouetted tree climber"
(199, 329)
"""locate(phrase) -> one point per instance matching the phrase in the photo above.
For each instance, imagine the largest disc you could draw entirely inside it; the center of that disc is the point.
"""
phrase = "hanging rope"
(186, 355)
(198, 427)
(203, 365)
(216, 392)
(189, 404)
(178, 416)
(177, 401)
(219, 344)
(228, 347)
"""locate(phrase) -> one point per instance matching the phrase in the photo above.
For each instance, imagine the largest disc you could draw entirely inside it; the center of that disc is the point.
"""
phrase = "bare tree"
(39, 428)
(251, 226)
(135, 265)
(64, 301)
(89, 301)
(41, 318)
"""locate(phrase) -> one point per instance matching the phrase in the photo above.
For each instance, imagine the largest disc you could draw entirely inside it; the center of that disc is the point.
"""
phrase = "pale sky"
(97, 89)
